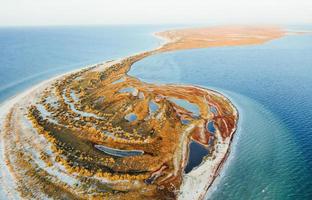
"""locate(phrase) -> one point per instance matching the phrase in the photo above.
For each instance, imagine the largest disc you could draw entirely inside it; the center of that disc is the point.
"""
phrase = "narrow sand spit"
(196, 183)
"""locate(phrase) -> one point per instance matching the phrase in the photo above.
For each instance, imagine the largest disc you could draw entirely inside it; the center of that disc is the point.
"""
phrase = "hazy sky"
(61, 12)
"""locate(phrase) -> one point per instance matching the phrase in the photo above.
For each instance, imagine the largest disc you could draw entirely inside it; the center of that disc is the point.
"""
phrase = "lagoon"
(271, 85)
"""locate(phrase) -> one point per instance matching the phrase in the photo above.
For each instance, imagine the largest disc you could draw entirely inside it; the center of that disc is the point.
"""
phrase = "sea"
(29, 55)
(270, 84)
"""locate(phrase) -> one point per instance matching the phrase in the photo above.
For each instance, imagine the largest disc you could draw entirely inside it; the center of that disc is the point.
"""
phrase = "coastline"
(214, 170)
(231, 151)
(5, 107)
(208, 171)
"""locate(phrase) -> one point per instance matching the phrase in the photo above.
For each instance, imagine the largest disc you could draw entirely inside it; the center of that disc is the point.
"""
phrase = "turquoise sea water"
(271, 85)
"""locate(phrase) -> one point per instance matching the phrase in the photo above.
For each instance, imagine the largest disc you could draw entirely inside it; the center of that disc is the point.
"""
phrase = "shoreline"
(232, 151)
(218, 168)
(8, 104)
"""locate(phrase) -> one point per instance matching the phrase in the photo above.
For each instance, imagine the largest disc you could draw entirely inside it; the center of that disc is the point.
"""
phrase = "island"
(98, 133)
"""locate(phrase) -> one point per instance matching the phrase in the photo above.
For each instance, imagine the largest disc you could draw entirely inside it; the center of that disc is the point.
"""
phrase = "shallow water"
(271, 84)
(128, 90)
(153, 107)
(131, 117)
(271, 156)
(186, 105)
(118, 152)
(210, 127)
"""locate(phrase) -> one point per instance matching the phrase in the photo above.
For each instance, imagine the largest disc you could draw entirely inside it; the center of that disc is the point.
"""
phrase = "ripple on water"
(263, 153)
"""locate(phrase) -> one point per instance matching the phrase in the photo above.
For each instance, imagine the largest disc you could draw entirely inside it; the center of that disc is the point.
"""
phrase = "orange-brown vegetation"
(104, 106)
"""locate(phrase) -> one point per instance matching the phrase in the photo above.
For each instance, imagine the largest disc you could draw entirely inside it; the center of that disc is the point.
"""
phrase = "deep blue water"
(197, 153)
(29, 55)
(271, 84)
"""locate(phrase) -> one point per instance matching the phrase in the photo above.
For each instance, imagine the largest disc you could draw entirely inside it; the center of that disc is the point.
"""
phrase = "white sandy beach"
(7, 186)
(195, 184)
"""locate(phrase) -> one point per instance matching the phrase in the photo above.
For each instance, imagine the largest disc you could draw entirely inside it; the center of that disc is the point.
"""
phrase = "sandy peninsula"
(99, 133)
(218, 36)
